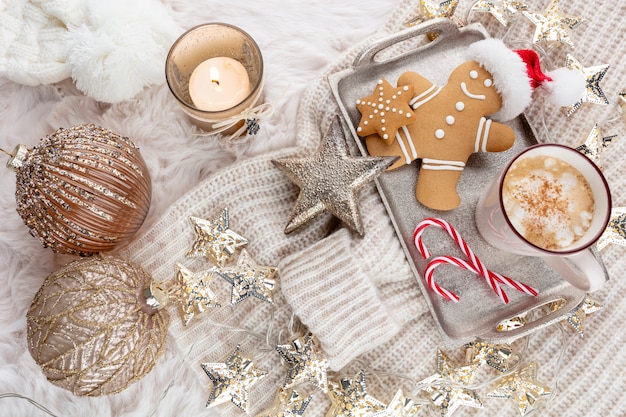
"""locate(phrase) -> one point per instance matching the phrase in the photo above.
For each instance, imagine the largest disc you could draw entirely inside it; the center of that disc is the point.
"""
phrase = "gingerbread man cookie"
(454, 121)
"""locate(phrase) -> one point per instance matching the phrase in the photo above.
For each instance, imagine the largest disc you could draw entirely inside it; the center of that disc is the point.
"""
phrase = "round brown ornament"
(82, 190)
(90, 329)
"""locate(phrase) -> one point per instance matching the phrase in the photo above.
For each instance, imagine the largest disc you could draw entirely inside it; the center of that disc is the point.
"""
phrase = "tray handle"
(444, 28)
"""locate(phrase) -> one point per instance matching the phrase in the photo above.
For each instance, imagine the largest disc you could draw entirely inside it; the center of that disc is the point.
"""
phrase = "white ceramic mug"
(575, 262)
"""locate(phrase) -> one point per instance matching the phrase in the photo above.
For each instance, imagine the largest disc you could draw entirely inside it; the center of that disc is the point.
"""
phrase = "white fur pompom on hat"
(517, 73)
(121, 48)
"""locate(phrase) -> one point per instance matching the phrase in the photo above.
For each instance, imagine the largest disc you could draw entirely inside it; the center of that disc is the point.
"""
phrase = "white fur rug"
(298, 40)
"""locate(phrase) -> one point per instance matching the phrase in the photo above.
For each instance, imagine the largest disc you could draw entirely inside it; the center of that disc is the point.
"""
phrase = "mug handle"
(582, 269)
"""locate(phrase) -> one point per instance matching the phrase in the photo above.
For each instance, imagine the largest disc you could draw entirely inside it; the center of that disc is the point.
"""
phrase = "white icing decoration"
(439, 133)
(459, 105)
(380, 106)
(405, 88)
(382, 120)
(450, 120)
(408, 114)
(385, 136)
(470, 95)
(382, 129)
(365, 123)
(358, 101)
(394, 110)
(380, 81)
(425, 97)
(400, 112)
(488, 82)
(473, 74)
(359, 128)
(382, 113)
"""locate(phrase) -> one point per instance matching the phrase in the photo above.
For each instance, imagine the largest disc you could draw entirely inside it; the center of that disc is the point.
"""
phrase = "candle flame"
(215, 75)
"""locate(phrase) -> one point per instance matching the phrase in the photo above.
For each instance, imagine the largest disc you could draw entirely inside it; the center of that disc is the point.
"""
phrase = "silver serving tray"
(479, 313)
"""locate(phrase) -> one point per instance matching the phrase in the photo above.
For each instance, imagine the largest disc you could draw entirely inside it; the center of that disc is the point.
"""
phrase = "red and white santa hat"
(517, 73)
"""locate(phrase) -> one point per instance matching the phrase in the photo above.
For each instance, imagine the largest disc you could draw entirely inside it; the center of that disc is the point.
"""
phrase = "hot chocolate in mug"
(553, 202)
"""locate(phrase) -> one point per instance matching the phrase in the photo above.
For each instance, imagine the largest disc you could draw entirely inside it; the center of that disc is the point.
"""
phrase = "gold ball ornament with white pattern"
(82, 190)
(91, 329)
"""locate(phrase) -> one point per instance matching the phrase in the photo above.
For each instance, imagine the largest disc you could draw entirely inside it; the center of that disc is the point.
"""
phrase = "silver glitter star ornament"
(232, 380)
(214, 239)
(523, 388)
(305, 362)
(330, 180)
(249, 279)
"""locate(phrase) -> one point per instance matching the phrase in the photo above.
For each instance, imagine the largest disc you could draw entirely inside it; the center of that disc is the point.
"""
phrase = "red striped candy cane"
(475, 265)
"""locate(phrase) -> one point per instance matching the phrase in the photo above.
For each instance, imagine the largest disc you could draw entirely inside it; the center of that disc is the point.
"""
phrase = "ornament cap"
(156, 295)
(18, 156)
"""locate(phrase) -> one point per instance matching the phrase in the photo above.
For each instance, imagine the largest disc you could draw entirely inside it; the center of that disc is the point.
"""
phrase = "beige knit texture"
(357, 295)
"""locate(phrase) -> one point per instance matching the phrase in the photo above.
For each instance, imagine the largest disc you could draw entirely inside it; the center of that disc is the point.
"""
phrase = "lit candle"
(218, 84)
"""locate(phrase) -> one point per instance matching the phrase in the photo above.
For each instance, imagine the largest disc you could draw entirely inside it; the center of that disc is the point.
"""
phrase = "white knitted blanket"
(356, 295)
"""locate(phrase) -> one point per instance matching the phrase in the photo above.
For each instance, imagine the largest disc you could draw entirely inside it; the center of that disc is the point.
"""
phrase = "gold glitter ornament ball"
(82, 190)
(89, 327)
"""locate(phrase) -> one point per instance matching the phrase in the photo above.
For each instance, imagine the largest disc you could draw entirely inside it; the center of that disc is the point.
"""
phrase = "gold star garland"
(349, 398)
(494, 355)
(192, 292)
(523, 388)
(576, 317)
(552, 25)
(593, 75)
(595, 144)
(305, 362)
(249, 279)
(615, 231)
(232, 379)
(214, 239)
(446, 387)
(288, 403)
(433, 9)
(504, 10)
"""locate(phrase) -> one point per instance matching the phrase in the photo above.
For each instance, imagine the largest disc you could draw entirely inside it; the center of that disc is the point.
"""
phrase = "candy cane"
(475, 265)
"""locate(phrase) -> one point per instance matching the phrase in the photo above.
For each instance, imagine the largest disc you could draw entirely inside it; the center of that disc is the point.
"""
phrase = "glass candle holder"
(215, 41)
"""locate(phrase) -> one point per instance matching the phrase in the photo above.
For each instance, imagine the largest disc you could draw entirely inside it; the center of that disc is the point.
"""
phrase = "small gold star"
(595, 144)
(349, 398)
(249, 279)
(232, 380)
(577, 316)
(192, 292)
(288, 403)
(504, 11)
(330, 180)
(494, 355)
(615, 231)
(446, 386)
(523, 388)
(305, 362)
(552, 25)
(400, 406)
(430, 9)
(592, 75)
(214, 239)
